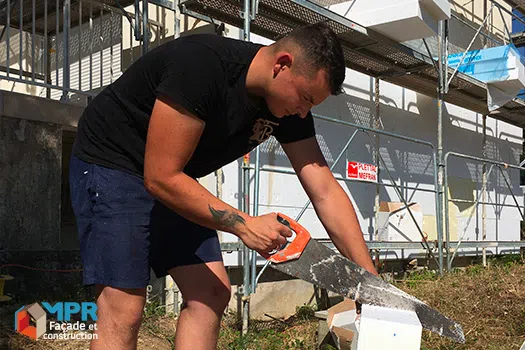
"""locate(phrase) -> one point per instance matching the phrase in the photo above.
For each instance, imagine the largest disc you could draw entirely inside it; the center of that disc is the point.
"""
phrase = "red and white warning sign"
(361, 171)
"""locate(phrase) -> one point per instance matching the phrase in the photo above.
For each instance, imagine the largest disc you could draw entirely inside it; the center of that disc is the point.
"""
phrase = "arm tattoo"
(226, 218)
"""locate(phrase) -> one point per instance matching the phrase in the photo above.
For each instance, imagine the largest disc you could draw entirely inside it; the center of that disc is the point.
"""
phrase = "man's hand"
(264, 233)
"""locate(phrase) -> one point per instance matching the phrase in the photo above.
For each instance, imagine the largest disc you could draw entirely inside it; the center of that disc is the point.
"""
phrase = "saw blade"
(324, 267)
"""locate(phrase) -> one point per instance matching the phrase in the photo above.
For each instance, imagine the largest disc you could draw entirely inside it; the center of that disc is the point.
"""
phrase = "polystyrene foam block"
(385, 328)
(500, 67)
(400, 20)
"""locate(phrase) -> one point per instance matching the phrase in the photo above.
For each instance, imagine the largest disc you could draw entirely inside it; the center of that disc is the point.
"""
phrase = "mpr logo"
(30, 320)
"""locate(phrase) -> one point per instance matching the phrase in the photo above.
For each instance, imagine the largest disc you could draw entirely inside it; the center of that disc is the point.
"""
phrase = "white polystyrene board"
(385, 314)
(345, 319)
(400, 20)
(387, 328)
(501, 92)
(400, 227)
(440, 9)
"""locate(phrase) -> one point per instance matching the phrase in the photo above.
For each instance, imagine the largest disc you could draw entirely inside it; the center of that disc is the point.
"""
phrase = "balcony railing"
(70, 49)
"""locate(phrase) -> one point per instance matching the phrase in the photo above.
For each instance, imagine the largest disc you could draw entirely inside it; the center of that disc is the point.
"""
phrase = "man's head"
(307, 66)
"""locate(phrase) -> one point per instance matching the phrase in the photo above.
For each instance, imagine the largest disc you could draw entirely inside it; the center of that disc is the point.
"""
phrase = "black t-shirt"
(206, 74)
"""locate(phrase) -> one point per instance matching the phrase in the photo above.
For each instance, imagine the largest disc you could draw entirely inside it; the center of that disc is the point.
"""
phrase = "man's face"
(291, 92)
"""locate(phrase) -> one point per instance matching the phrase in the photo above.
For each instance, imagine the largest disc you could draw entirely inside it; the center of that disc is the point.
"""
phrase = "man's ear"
(283, 61)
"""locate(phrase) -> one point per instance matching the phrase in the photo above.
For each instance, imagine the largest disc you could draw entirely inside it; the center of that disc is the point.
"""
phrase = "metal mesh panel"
(352, 37)
(362, 63)
(397, 57)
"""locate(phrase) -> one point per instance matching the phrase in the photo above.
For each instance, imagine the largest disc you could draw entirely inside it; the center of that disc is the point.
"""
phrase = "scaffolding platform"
(365, 51)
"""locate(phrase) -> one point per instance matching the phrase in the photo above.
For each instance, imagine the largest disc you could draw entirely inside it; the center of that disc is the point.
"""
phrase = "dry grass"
(297, 332)
(488, 302)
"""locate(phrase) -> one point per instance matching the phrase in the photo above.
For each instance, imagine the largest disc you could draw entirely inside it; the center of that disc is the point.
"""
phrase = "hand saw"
(313, 262)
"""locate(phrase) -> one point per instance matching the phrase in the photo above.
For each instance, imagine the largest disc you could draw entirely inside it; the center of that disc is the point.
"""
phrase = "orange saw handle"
(294, 249)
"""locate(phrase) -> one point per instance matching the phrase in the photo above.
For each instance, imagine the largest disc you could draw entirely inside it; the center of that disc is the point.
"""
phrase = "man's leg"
(206, 292)
(113, 213)
(119, 314)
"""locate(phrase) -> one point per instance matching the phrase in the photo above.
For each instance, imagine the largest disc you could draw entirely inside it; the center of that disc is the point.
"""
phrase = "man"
(178, 113)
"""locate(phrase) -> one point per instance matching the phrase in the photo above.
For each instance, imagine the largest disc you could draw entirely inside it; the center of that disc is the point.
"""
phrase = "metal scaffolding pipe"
(377, 119)
(441, 90)
(145, 30)
(246, 183)
(66, 69)
(484, 192)
(33, 32)
(8, 25)
(256, 186)
(21, 36)
(340, 178)
(80, 45)
(245, 188)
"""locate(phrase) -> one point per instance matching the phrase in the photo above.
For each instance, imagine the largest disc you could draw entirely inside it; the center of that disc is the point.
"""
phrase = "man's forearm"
(338, 216)
(191, 200)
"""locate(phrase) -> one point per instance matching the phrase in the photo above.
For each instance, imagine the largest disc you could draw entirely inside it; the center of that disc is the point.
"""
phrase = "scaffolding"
(403, 64)
(380, 57)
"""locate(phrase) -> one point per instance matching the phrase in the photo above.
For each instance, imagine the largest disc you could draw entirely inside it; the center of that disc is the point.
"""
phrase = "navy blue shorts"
(123, 230)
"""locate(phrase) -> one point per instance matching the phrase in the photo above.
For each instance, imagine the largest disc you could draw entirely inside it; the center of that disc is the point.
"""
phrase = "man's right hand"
(264, 233)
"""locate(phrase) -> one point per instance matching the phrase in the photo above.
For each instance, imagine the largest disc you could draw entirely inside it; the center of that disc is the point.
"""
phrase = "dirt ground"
(488, 302)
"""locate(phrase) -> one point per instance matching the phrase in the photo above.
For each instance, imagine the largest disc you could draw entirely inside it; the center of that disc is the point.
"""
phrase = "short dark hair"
(320, 49)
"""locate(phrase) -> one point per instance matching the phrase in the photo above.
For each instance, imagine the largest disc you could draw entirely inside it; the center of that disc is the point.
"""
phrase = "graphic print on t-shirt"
(262, 130)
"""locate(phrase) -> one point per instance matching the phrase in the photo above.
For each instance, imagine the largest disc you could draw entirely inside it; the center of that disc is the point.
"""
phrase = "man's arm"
(173, 135)
(331, 203)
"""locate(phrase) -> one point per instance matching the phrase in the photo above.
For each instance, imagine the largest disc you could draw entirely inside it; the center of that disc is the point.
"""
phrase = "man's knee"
(123, 307)
(216, 298)
(223, 295)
